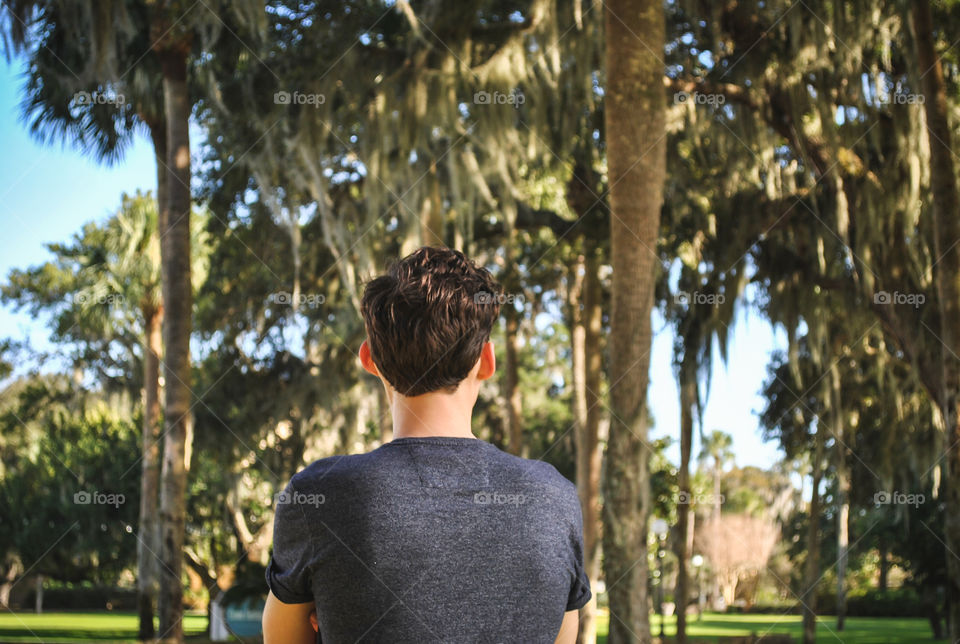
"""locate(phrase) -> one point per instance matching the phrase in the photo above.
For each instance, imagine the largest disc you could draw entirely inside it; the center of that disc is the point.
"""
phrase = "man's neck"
(432, 415)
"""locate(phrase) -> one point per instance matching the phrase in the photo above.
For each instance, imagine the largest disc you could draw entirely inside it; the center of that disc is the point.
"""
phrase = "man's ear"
(367, 360)
(488, 362)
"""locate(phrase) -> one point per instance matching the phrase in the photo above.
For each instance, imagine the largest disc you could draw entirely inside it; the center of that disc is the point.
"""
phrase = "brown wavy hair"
(428, 318)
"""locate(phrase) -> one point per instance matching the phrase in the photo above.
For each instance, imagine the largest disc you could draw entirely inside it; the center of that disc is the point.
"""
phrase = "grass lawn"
(105, 626)
(713, 627)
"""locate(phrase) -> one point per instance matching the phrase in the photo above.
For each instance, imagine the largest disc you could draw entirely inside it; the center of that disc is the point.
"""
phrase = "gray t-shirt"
(435, 539)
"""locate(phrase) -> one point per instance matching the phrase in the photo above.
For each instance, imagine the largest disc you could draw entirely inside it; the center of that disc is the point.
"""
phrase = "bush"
(768, 609)
(899, 602)
(85, 598)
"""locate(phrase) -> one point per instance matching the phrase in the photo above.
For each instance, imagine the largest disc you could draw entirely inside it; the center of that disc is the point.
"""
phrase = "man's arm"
(290, 623)
(569, 627)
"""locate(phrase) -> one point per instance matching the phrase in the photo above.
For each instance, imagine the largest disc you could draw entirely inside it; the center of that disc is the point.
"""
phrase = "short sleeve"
(288, 572)
(580, 584)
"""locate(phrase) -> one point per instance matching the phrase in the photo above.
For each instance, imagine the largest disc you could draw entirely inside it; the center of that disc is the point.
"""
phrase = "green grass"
(81, 627)
(61, 628)
(714, 627)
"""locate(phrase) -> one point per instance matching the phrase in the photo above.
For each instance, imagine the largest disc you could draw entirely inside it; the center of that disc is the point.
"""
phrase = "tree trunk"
(255, 545)
(636, 159)
(578, 359)
(207, 580)
(717, 486)
(590, 448)
(587, 366)
(843, 537)
(178, 303)
(587, 319)
(843, 493)
(511, 381)
(432, 216)
(9, 581)
(728, 588)
(928, 600)
(148, 547)
(946, 234)
(688, 402)
(38, 596)
(511, 377)
(884, 564)
(812, 568)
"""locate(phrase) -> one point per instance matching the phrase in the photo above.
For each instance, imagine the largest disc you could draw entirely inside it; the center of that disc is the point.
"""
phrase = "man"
(436, 536)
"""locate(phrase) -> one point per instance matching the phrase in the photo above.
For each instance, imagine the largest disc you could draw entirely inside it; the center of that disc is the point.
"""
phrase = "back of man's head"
(428, 318)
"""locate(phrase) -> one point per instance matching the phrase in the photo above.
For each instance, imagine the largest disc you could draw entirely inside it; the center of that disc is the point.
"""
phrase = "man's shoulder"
(328, 470)
(535, 473)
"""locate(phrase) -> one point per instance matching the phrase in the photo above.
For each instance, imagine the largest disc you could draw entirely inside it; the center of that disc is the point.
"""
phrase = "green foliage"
(69, 489)
(803, 193)
(899, 602)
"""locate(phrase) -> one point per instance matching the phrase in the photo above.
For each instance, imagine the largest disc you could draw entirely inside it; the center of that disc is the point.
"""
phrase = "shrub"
(85, 598)
(898, 602)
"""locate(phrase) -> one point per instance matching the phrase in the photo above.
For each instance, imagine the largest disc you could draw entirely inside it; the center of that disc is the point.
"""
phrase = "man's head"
(428, 320)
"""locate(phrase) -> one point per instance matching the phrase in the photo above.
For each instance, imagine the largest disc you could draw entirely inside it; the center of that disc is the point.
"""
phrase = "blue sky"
(734, 389)
(47, 192)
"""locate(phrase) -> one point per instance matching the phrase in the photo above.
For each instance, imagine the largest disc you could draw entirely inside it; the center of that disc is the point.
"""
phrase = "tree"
(635, 34)
(717, 447)
(693, 349)
(165, 34)
(134, 248)
(172, 46)
(104, 290)
(946, 236)
(61, 103)
(586, 298)
(737, 546)
(62, 453)
(65, 91)
(374, 178)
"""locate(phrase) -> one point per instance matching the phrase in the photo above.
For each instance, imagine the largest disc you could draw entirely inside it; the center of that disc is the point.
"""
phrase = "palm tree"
(122, 45)
(689, 405)
(128, 264)
(172, 47)
(61, 103)
(636, 158)
(110, 277)
(717, 447)
(135, 252)
(697, 327)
